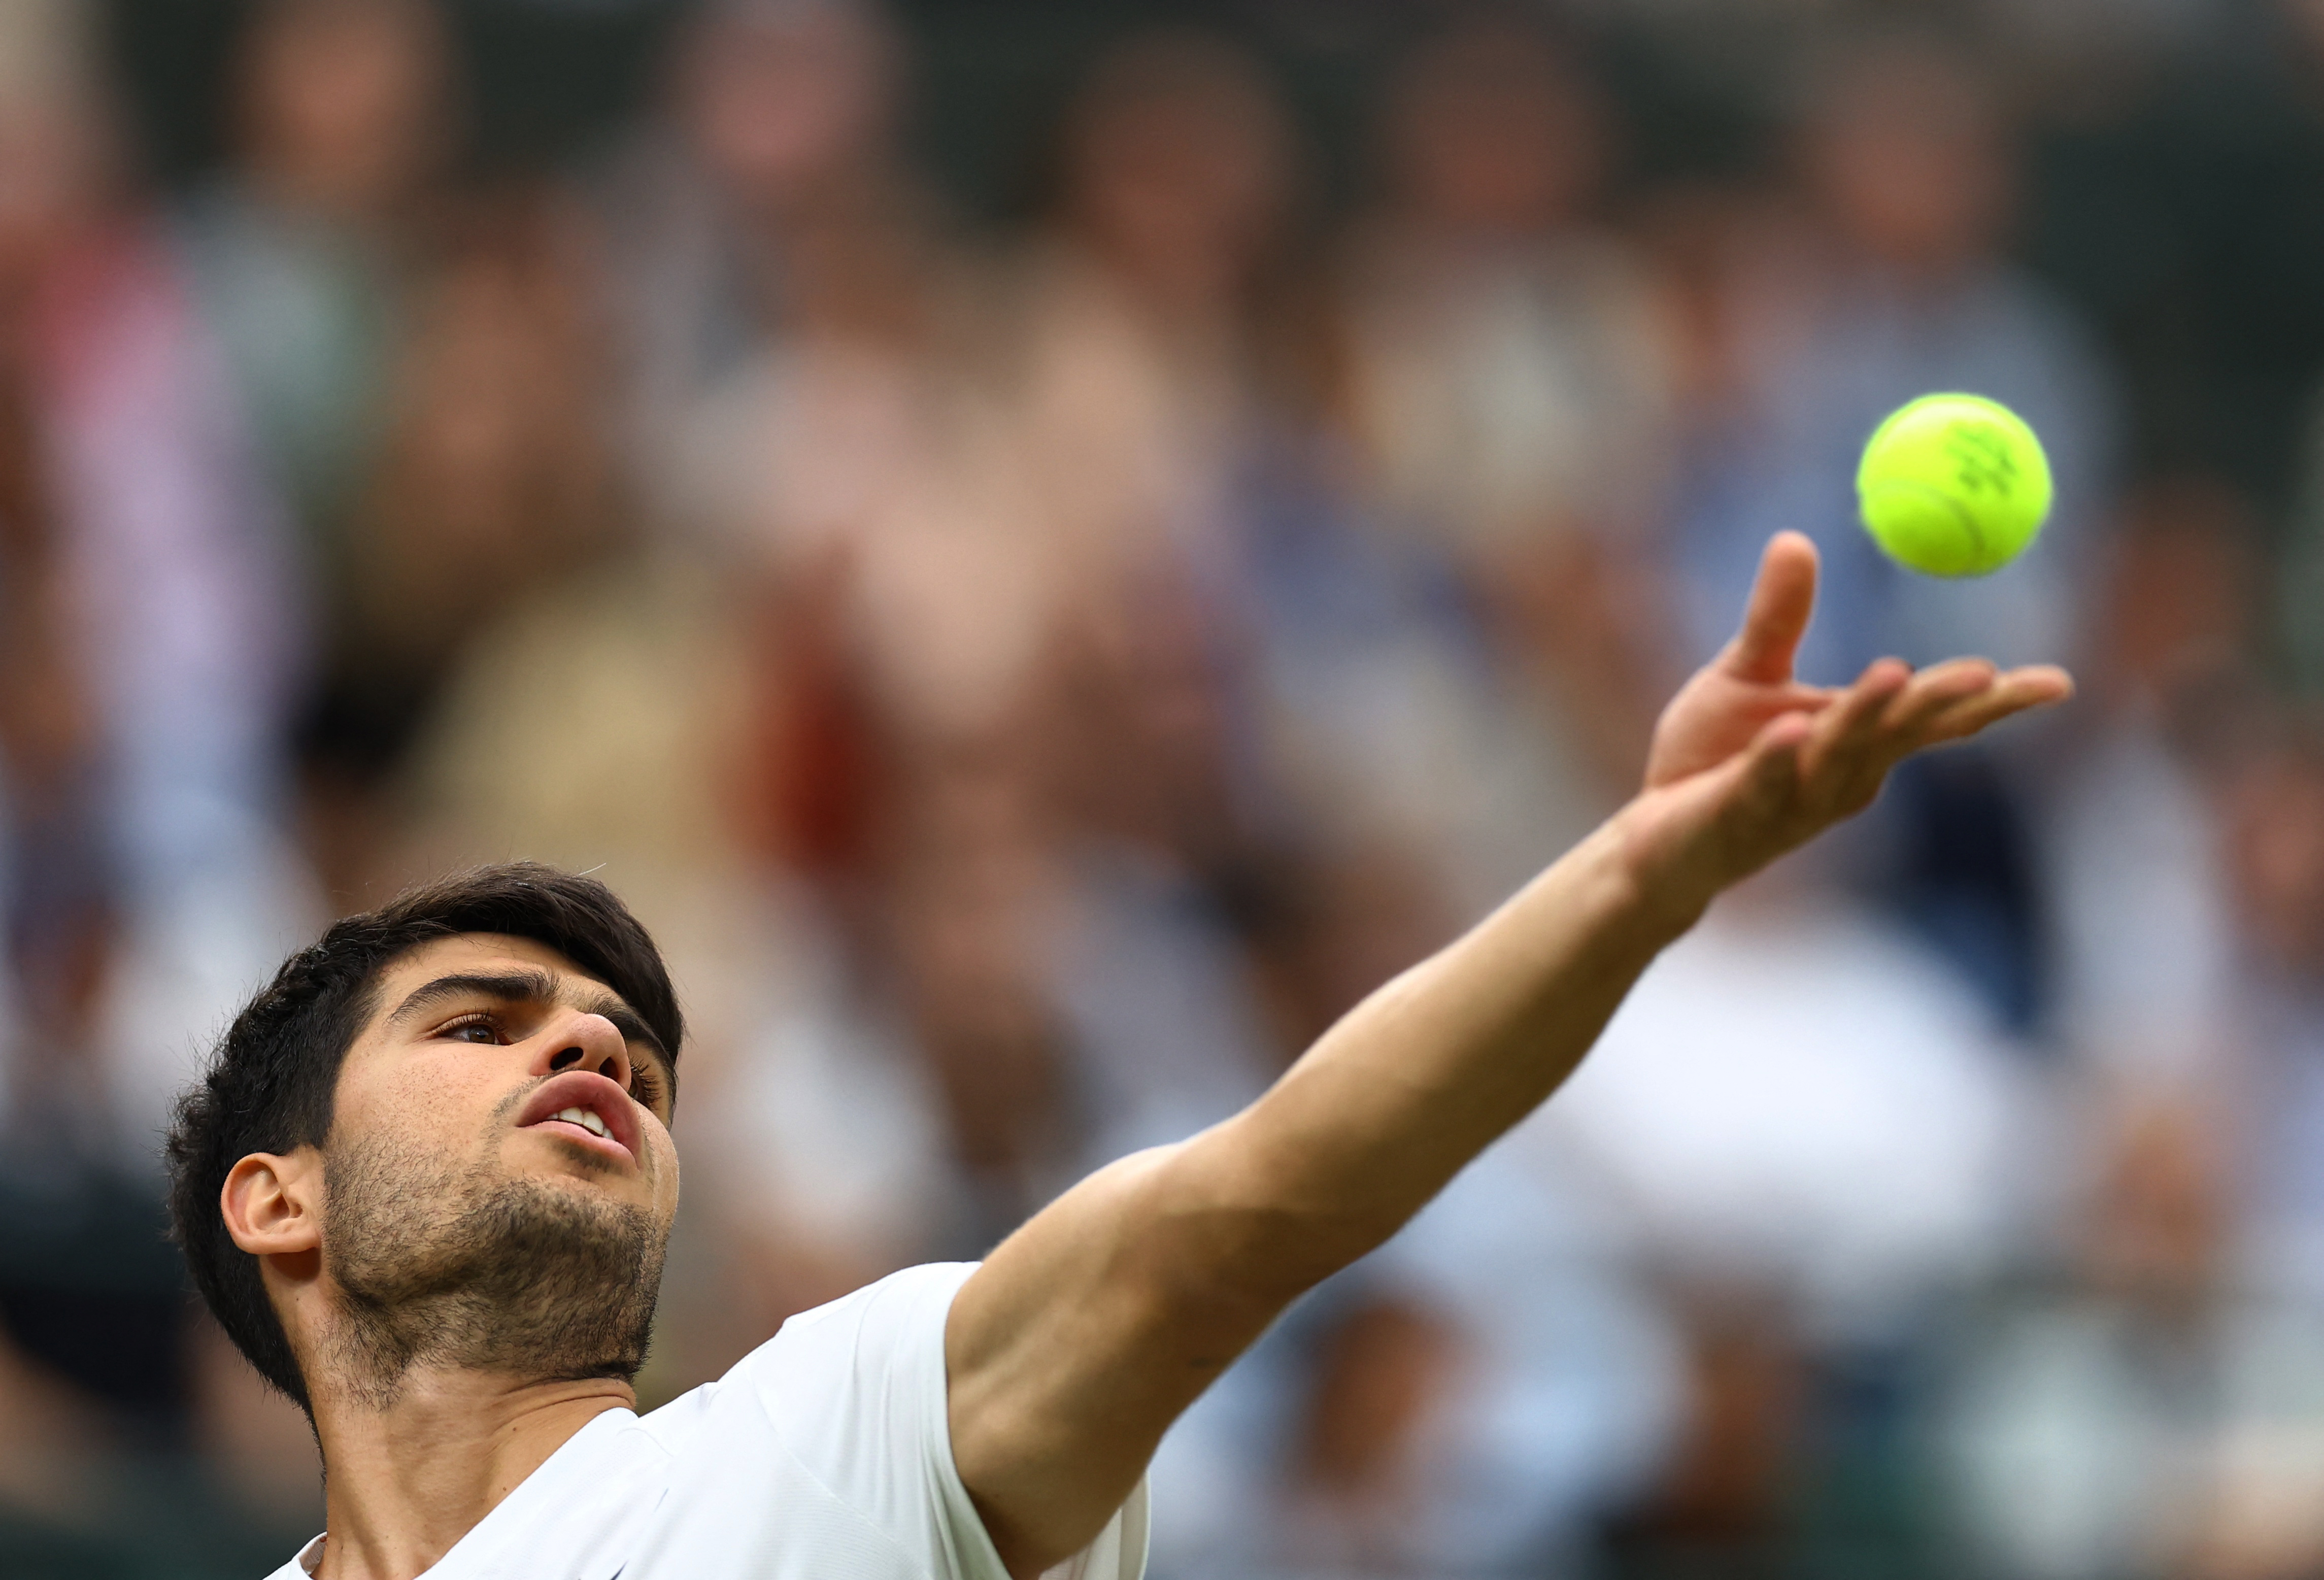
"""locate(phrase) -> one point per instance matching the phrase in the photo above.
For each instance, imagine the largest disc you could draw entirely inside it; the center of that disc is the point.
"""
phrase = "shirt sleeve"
(856, 1390)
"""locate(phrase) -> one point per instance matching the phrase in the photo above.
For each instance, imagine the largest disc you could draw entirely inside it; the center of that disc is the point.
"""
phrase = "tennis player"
(427, 1183)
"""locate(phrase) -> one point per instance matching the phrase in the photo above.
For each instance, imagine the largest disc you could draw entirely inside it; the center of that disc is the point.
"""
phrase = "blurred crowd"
(1035, 670)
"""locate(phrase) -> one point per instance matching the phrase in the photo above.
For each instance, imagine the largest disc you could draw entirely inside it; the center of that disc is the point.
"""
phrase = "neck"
(407, 1480)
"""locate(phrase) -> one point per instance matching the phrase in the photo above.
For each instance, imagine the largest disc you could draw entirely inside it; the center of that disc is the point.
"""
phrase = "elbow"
(1237, 1254)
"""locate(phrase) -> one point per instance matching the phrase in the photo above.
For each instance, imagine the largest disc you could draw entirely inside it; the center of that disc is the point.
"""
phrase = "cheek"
(430, 1099)
(664, 1152)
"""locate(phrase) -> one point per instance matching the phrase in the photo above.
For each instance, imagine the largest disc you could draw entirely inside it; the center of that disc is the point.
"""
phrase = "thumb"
(1783, 596)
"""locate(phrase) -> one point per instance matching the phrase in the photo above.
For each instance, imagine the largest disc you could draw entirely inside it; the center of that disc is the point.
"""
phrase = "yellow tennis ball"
(1953, 485)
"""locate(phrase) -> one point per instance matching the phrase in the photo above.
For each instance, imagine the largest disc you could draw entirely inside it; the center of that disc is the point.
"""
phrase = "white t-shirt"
(824, 1454)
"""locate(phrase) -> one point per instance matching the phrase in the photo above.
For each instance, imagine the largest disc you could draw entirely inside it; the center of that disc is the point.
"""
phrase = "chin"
(539, 1272)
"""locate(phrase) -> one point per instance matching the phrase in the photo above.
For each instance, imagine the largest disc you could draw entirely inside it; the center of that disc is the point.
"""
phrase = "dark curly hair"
(270, 1082)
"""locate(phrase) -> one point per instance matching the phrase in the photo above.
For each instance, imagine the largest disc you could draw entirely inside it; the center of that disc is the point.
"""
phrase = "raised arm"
(1083, 1338)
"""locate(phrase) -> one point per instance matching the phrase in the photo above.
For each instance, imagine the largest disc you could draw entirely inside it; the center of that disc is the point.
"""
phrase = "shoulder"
(894, 1310)
(885, 1338)
(826, 1375)
(827, 1450)
(302, 1565)
(851, 1397)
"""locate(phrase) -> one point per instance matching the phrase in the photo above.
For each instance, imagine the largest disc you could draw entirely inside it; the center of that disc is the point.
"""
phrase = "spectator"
(2274, 801)
(2082, 1413)
(1811, 1136)
(1799, 1161)
(1508, 386)
(152, 637)
(1506, 356)
(342, 122)
(771, 191)
(492, 475)
(156, 599)
(1473, 1402)
(2134, 853)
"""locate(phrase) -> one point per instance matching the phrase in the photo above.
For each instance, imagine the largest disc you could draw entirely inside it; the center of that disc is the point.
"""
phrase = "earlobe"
(268, 1202)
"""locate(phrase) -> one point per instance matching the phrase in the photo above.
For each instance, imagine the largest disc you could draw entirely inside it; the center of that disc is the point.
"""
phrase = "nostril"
(564, 1059)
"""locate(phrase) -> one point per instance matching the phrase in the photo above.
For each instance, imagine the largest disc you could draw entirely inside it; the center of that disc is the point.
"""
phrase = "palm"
(1747, 762)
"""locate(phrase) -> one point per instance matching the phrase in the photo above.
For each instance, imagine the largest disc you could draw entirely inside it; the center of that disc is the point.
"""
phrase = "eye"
(458, 1031)
(645, 1085)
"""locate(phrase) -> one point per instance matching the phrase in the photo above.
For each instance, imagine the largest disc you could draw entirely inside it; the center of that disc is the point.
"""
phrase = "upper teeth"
(586, 1118)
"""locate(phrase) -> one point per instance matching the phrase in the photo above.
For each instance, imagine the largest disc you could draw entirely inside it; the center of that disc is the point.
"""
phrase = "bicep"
(1087, 1332)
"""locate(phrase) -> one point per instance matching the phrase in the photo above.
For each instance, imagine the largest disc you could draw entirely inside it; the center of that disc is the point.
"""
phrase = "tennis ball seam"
(1960, 512)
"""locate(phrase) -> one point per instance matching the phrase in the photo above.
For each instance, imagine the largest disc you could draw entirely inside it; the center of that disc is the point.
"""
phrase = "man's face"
(500, 1178)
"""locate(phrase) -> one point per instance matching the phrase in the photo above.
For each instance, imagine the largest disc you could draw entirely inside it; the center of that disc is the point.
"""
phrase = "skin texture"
(1091, 1327)
(423, 1436)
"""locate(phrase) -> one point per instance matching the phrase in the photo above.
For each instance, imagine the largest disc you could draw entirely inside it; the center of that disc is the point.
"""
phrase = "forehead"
(476, 954)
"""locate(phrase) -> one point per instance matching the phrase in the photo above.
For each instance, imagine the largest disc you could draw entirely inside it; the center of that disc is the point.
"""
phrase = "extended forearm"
(1101, 1319)
(1430, 1069)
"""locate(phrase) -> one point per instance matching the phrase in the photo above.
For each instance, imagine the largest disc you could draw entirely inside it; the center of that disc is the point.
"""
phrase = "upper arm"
(1071, 1351)
(1084, 1336)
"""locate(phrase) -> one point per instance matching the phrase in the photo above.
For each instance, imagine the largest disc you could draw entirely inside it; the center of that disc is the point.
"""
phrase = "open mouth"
(587, 1111)
(586, 1118)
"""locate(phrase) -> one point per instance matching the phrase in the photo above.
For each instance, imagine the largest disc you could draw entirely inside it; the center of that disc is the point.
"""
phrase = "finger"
(1933, 690)
(2044, 684)
(1783, 596)
(2016, 692)
(1771, 767)
(1845, 736)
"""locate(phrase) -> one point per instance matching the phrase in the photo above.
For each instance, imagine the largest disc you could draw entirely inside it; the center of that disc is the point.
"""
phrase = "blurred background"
(1047, 546)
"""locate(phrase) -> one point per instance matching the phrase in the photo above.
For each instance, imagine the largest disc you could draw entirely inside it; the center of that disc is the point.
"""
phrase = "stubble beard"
(463, 1267)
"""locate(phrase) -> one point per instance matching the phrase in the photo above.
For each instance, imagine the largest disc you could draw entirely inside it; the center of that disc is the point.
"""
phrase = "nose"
(586, 1042)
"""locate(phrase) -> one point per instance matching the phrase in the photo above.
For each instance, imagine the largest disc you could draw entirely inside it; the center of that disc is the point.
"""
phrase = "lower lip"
(567, 1131)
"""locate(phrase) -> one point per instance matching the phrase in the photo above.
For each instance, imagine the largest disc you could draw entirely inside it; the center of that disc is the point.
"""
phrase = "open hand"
(1748, 763)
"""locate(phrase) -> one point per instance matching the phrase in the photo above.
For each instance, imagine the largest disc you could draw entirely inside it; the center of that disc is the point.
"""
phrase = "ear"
(272, 1203)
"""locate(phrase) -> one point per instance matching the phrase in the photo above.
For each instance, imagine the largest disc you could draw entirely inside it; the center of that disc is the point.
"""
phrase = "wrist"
(1665, 890)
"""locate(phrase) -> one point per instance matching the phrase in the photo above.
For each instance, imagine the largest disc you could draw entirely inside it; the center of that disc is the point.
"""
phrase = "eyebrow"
(528, 987)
